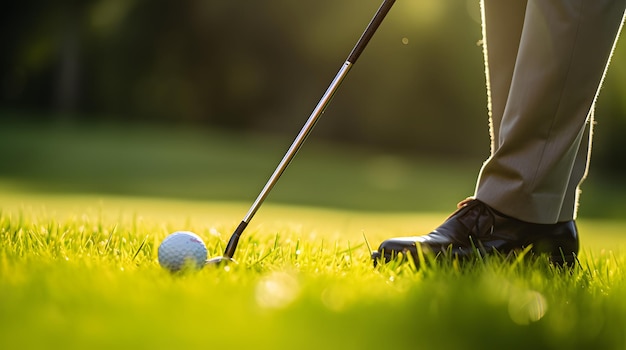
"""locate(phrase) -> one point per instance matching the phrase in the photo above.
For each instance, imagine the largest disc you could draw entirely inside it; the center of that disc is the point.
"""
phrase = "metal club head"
(220, 261)
(230, 249)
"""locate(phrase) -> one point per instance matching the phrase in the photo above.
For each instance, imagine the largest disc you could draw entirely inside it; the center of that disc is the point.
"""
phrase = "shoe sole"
(560, 260)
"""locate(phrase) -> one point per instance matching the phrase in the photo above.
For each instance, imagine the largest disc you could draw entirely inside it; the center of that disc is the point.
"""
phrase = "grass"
(210, 165)
(81, 272)
(83, 210)
(179, 162)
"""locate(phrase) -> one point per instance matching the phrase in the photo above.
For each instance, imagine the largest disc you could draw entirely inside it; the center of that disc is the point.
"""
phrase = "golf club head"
(219, 261)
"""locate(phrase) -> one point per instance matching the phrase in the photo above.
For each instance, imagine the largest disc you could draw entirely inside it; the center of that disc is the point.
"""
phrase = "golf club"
(306, 129)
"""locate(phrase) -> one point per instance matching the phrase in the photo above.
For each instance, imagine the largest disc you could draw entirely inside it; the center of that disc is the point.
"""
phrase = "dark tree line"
(263, 65)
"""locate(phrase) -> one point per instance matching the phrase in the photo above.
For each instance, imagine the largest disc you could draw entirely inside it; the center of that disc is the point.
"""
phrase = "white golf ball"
(182, 249)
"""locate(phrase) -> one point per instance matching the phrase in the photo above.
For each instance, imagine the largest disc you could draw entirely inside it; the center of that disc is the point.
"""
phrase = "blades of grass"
(411, 262)
(296, 251)
(420, 256)
(520, 258)
(107, 245)
(276, 239)
(140, 247)
(479, 256)
(35, 238)
(577, 260)
(614, 257)
(264, 257)
(349, 253)
(367, 243)
(351, 248)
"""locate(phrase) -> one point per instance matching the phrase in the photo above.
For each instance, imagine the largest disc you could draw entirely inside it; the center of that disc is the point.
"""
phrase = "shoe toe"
(391, 248)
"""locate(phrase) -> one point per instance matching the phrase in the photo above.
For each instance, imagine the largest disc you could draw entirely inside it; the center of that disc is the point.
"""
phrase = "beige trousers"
(545, 61)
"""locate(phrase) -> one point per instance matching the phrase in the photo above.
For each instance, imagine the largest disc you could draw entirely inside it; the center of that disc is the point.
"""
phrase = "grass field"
(81, 272)
(78, 262)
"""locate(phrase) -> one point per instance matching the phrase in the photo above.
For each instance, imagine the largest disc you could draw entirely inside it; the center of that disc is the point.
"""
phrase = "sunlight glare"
(277, 290)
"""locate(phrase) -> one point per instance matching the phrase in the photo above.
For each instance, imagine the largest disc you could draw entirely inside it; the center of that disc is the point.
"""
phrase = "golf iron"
(306, 129)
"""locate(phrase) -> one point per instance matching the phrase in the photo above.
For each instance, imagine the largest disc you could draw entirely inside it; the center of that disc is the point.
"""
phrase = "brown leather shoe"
(476, 228)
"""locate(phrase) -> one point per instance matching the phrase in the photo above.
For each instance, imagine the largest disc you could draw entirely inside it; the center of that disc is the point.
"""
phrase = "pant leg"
(561, 59)
(569, 208)
(502, 23)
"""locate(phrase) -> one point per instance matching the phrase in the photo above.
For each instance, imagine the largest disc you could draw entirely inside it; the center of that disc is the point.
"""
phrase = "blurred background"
(135, 96)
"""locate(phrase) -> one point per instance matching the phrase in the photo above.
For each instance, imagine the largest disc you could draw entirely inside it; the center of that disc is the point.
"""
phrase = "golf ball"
(182, 249)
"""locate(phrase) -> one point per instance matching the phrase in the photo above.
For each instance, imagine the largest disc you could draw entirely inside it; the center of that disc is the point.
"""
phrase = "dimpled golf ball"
(182, 249)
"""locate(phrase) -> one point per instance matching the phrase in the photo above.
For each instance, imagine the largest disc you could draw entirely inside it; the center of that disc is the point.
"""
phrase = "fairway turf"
(80, 272)
(81, 221)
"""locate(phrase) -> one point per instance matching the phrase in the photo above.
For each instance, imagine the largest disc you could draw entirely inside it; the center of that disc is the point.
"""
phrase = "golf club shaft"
(310, 123)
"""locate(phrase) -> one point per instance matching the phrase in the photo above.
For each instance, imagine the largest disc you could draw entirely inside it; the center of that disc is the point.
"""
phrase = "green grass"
(212, 165)
(81, 272)
(180, 162)
(84, 208)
